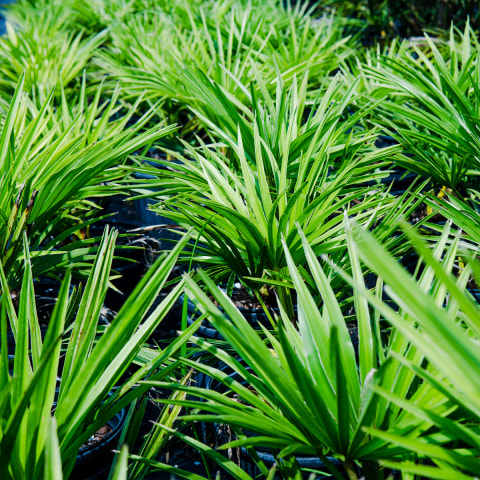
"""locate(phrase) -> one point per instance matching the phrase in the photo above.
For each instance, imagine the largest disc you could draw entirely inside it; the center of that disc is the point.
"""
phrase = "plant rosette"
(90, 367)
(305, 389)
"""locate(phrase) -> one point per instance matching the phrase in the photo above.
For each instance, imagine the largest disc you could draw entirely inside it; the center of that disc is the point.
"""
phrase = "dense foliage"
(323, 158)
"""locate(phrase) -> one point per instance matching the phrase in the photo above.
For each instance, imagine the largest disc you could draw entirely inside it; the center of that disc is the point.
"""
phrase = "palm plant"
(307, 390)
(92, 365)
(46, 14)
(96, 15)
(279, 172)
(441, 322)
(47, 54)
(354, 69)
(163, 48)
(224, 42)
(318, 45)
(434, 112)
(87, 17)
(50, 163)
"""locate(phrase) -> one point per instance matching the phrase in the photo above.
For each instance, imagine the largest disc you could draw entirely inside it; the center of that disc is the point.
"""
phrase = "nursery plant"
(52, 159)
(192, 42)
(279, 171)
(49, 14)
(166, 47)
(92, 364)
(445, 328)
(47, 55)
(98, 15)
(306, 389)
(225, 42)
(432, 109)
(90, 16)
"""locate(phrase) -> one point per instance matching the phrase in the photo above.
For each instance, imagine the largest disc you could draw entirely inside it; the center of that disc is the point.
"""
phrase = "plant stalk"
(285, 298)
(350, 469)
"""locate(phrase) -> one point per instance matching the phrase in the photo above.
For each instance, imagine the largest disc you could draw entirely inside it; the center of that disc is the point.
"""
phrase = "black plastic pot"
(128, 215)
(133, 260)
(122, 211)
(94, 461)
(475, 292)
(255, 318)
(308, 464)
(399, 180)
(160, 227)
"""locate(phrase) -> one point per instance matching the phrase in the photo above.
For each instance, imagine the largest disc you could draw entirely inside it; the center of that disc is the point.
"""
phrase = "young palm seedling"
(307, 390)
(433, 110)
(80, 379)
(51, 161)
(442, 322)
(48, 55)
(279, 172)
(165, 47)
(168, 55)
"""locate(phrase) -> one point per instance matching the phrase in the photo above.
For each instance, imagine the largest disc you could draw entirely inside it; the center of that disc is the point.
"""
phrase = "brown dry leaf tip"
(19, 195)
(31, 201)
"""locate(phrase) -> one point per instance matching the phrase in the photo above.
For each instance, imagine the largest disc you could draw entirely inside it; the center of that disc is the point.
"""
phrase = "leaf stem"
(350, 469)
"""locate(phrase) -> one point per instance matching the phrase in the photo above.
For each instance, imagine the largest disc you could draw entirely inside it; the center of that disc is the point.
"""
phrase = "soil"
(97, 436)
